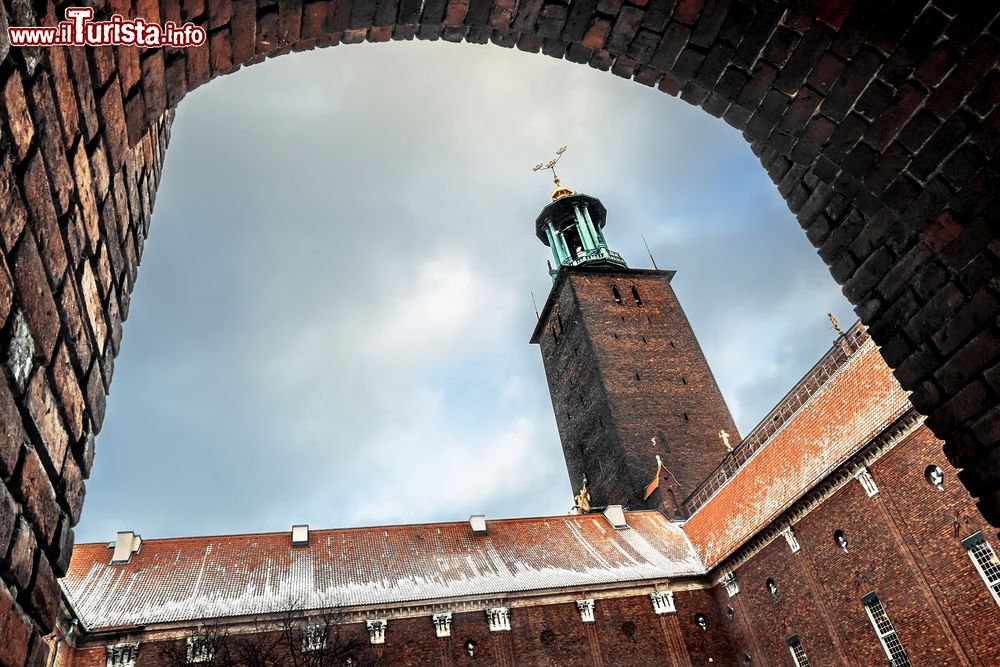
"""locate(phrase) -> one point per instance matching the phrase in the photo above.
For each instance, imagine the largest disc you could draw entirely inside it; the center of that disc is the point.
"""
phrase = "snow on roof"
(211, 577)
(854, 406)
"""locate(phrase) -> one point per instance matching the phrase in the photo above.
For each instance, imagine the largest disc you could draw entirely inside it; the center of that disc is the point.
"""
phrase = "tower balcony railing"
(600, 253)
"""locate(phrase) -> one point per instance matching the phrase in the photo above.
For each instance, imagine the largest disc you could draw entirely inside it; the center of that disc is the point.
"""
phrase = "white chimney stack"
(126, 543)
(300, 535)
(478, 524)
(616, 516)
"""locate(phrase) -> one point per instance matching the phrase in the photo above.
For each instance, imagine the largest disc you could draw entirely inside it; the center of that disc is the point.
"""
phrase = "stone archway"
(878, 122)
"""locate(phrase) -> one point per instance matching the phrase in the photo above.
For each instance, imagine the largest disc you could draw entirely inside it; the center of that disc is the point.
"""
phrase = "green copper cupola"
(571, 226)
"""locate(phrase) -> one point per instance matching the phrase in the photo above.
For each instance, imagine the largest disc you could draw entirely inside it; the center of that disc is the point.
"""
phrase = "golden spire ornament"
(560, 190)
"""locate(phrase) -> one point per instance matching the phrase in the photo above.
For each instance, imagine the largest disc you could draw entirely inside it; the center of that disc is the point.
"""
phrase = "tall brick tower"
(626, 374)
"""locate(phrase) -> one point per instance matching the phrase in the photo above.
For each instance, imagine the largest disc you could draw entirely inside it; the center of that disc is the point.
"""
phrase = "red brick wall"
(655, 640)
(841, 418)
(903, 544)
(623, 374)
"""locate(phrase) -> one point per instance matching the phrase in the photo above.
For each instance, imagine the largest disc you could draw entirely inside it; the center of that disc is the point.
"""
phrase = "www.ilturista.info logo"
(79, 30)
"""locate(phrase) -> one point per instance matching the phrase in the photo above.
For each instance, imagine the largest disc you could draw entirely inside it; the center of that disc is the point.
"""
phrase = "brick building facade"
(833, 533)
(877, 122)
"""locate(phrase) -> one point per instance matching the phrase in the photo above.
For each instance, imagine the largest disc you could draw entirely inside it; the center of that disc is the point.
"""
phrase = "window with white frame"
(985, 560)
(886, 633)
(798, 652)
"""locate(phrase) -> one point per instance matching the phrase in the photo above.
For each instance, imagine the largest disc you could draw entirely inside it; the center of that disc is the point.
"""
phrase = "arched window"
(701, 621)
(772, 587)
(635, 296)
(616, 294)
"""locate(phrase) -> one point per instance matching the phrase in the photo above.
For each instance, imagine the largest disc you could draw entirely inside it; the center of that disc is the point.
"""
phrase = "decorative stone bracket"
(376, 630)
(864, 476)
(121, 655)
(498, 618)
(728, 582)
(442, 624)
(663, 602)
(793, 542)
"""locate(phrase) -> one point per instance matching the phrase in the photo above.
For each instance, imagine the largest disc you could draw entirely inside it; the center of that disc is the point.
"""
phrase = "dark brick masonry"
(878, 122)
(622, 373)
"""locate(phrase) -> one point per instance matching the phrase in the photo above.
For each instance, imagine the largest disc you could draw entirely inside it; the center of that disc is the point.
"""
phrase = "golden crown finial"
(560, 190)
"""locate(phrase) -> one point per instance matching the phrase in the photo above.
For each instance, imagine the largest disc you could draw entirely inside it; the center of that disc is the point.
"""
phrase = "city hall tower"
(627, 377)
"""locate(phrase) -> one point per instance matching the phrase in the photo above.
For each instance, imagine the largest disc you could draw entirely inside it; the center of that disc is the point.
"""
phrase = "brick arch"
(878, 122)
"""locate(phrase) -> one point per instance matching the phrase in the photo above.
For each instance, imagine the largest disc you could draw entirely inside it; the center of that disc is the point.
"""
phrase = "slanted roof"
(853, 406)
(240, 575)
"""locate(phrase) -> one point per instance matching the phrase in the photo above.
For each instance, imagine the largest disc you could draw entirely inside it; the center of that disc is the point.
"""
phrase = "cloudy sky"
(332, 316)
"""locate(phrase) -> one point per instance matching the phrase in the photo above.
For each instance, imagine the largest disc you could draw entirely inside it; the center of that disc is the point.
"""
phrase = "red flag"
(652, 486)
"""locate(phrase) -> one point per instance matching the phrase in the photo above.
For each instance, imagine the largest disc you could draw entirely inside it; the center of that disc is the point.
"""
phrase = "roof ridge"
(394, 526)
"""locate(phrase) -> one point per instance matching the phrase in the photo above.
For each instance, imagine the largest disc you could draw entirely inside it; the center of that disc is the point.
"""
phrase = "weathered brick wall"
(548, 635)
(905, 544)
(623, 374)
(75, 209)
(877, 122)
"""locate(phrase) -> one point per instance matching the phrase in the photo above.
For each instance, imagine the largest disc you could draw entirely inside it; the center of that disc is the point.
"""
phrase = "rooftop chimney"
(126, 543)
(616, 516)
(300, 535)
(478, 524)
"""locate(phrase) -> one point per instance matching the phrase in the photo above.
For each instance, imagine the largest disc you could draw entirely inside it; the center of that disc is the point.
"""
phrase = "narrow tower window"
(684, 380)
(555, 336)
(559, 319)
(886, 633)
(798, 653)
(686, 417)
(635, 296)
(701, 621)
(772, 587)
(643, 339)
(986, 562)
(637, 378)
(616, 294)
